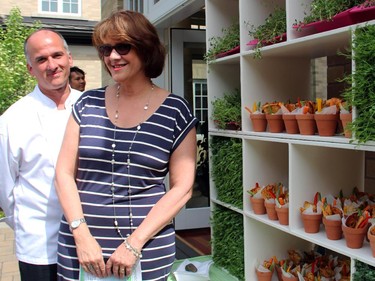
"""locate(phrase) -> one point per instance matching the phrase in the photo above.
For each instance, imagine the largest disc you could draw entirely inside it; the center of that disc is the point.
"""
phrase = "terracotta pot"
(290, 122)
(345, 119)
(371, 238)
(264, 276)
(326, 124)
(258, 205)
(271, 212)
(279, 273)
(275, 123)
(306, 124)
(283, 215)
(354, 236)
(333, 229)
(259, 122)
(311, 222)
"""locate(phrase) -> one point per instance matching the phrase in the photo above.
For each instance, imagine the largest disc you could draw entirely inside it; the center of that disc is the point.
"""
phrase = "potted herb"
(327, 15)
(227, 111)
(226, 44)
(271, 32)
(361, 94)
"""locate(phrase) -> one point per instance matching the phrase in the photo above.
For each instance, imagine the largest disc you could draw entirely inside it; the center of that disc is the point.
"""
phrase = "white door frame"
(188, 218)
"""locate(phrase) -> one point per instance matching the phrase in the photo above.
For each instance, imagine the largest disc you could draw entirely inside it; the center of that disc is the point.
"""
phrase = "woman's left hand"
(121, 262)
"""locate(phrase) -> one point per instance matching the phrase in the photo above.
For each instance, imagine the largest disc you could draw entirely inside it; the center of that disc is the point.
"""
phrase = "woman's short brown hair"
(134, 28)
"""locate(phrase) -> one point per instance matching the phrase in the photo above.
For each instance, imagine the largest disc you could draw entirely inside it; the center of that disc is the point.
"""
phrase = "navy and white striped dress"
(158, 137)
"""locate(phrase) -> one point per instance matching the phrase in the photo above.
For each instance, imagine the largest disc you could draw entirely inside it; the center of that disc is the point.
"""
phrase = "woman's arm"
(88, 250)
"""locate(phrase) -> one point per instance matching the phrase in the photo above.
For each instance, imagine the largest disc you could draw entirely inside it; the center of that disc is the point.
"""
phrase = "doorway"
(188, 79)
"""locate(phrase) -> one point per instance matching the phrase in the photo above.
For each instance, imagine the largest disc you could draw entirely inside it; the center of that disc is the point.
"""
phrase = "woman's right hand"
(89, 252)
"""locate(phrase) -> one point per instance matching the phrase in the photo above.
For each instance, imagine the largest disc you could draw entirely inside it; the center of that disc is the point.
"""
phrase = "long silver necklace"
(128, 162)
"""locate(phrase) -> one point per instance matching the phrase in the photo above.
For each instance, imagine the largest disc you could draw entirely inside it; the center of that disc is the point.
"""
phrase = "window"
(135, 5)
(70, 7)
(200, 99)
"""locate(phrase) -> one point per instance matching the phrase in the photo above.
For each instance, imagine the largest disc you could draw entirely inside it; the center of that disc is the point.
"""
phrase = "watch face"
(75, 224)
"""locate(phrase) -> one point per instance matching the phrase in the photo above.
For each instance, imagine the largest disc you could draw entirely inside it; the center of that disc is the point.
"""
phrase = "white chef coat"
(31, 132)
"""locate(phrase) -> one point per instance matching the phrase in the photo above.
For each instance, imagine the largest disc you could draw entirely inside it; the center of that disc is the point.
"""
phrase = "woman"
(124, 139)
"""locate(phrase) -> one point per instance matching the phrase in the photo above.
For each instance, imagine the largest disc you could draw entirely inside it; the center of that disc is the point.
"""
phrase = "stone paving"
(8, 262)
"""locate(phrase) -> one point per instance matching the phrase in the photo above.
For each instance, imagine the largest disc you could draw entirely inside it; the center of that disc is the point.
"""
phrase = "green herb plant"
(326, 10)
(219, 44)
(228, 241)
(227, 170)
(361, 92)
(227, 110)
(271, 31)
(363, 272)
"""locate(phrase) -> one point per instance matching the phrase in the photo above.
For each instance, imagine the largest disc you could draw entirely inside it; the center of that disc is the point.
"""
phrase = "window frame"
(60, 9)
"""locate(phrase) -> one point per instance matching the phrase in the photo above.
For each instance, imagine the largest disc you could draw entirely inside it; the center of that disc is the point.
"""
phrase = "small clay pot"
(371, 238)
(311, 222)
(354, 236)
(346, 118)
(306, 124)
(291, 124)
(271, 211)
(275, 123)
(283, 215)
(258, 205)
(326, 124)
(264, 276)
(333, 229)
(259, 122)
(279, 273)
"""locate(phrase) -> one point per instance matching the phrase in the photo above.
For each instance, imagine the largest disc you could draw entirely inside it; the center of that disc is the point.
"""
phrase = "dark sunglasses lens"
(121, 49)
(105, 50)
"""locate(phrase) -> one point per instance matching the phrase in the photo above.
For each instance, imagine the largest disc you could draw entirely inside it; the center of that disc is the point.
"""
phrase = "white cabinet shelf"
(306, 164)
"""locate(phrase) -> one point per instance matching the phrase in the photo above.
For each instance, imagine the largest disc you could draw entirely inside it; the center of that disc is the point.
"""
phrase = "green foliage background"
(227, 170)
(228, 241)
(361, 93)
(15, 80)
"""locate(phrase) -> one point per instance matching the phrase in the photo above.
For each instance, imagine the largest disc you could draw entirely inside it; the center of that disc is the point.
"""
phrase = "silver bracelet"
(136, 253)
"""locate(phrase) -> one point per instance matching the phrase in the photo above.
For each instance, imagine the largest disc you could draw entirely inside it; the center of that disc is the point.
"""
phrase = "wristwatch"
(76, 223)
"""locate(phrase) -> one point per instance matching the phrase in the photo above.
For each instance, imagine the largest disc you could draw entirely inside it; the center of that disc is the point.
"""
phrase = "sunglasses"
(122, 49)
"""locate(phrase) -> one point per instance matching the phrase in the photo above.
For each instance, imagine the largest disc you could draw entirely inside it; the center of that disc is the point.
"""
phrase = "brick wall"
(337, 68)
(91, 9)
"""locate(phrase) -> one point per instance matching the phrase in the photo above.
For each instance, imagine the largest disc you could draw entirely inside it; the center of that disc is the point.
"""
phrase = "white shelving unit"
(306, 164)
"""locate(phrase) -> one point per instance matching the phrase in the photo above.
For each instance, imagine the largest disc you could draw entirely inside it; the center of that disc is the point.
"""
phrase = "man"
(31, 132)
(77, 78)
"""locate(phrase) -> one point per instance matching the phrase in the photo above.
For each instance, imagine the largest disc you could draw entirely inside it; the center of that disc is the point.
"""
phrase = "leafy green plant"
(1, 213)
(15, 80)
(228, 241)
(227, 170)
(363, 272)
(227, 110)
(219, 44)
(361, 92)
(325, 10)
(271, 31)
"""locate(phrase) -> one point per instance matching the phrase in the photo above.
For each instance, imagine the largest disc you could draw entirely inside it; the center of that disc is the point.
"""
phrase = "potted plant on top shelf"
(226, 112)
(271, 32)
(327, 15)
(227, 44)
